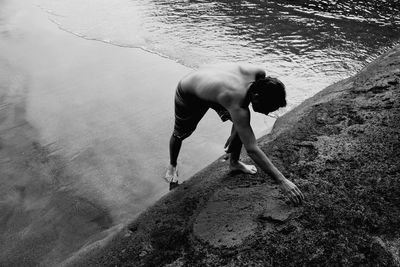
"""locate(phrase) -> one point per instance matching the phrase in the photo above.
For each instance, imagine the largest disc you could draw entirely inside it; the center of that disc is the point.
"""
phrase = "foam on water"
(308, 44)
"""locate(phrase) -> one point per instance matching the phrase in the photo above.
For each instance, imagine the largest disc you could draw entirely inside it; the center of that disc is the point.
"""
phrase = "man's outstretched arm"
(241, 120)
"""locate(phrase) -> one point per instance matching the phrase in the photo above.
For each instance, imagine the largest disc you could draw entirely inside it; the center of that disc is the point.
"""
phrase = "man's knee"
(181, 137)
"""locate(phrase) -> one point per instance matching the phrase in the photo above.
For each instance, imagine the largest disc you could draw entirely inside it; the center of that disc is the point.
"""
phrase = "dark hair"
(267, 95)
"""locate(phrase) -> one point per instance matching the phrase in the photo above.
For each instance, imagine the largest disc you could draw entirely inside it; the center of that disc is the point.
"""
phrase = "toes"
(249, 169)
(252, 169)
(170, 177)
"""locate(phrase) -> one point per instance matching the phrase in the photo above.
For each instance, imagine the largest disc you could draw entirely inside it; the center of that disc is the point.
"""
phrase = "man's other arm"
(241, 120)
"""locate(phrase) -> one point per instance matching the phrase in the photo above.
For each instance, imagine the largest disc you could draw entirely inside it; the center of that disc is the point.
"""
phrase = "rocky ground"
(342, 149)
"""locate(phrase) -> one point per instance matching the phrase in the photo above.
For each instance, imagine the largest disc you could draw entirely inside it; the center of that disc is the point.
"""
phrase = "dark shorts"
(189, 110)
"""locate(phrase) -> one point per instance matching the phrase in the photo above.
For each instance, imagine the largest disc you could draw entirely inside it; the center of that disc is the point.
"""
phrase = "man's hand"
(291, 190)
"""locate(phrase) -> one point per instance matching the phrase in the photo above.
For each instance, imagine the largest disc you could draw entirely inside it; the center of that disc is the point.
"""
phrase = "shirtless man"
(229, 89)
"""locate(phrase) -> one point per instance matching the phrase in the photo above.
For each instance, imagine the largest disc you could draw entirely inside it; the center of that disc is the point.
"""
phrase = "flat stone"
(277, 212)
(231, 215)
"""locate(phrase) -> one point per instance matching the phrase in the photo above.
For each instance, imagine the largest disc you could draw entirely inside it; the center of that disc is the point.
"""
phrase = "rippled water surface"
(308, 44)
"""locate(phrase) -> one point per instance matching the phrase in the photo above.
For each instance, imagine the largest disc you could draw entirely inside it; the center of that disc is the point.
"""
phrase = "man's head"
(267, 95)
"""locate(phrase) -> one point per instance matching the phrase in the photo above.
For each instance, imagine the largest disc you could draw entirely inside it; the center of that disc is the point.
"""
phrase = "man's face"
(262, 107)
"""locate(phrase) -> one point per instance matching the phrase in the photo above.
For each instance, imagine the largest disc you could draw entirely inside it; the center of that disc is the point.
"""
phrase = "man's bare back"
(210, 81)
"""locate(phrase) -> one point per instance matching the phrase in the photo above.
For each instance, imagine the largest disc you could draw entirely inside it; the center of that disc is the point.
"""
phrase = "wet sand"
(77, 159)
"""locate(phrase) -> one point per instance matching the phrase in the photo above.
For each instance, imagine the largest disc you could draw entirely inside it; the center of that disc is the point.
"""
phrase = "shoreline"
(69, 131)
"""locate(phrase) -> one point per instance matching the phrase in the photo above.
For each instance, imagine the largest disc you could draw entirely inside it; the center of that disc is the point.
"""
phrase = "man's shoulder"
(230, 97)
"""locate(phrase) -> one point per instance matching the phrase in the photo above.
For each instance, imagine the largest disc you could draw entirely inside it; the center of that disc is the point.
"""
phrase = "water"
(308, 44)
(93, 104)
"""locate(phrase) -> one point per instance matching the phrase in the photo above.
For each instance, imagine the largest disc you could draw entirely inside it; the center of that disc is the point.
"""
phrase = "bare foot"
(240, 166)
(225, 157)
(172, 174)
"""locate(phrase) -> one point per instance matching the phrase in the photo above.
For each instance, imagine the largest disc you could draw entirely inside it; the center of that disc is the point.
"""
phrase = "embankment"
(341, 147)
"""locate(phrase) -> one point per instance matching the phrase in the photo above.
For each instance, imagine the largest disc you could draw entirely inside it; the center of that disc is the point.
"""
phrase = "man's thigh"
(187, 117)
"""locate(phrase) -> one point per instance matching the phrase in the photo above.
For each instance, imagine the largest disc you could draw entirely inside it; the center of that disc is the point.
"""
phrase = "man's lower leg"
(235, 146)
(174, 149)
(235, 149)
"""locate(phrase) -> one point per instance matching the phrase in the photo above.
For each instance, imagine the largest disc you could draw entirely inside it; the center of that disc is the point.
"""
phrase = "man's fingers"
(296, 197)
(299, 198)
(293, 197)
(299, 193)
(294, 194)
